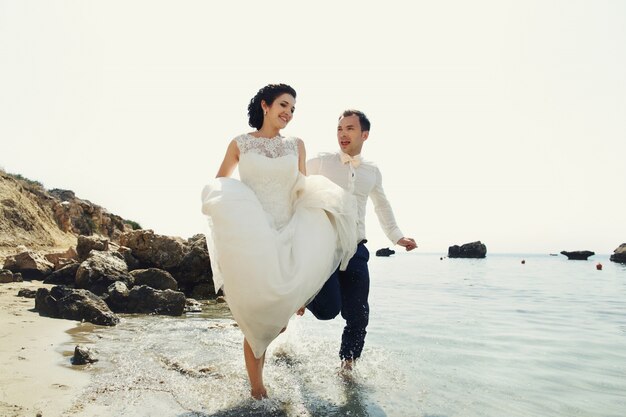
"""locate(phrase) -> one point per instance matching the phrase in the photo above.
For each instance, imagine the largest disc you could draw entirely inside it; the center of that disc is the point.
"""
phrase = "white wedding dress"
(276, 236)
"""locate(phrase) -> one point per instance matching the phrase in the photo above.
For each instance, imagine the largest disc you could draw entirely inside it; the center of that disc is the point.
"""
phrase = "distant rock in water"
(468, 250)
(619, 254)
(385, 252)
(578, 255)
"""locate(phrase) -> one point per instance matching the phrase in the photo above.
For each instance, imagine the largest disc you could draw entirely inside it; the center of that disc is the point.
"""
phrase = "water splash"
(193, 366)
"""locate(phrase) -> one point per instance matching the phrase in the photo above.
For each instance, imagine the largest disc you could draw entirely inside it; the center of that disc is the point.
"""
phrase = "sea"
(513, 335)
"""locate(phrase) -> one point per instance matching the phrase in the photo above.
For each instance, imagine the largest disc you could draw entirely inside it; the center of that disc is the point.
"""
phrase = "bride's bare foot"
(301, 311)
(258, 393)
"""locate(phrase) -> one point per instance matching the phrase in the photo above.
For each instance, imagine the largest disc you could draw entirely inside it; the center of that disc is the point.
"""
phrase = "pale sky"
(499, 121)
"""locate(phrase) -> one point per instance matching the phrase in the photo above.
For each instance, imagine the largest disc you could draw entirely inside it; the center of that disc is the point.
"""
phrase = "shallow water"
(449, 337)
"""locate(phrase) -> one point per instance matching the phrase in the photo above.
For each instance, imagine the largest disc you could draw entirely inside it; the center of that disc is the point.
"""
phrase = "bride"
(276, 235)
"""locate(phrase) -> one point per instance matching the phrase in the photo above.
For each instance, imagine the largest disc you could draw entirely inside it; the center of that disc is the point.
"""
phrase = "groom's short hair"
(363, 120)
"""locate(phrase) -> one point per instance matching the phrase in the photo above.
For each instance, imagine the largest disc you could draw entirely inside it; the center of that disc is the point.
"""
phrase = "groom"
(347, 291)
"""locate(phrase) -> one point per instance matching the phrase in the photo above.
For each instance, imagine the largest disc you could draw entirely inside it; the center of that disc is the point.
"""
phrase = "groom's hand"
(408, 243)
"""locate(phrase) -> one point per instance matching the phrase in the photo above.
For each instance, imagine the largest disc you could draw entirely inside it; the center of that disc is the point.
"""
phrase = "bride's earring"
(265, 113)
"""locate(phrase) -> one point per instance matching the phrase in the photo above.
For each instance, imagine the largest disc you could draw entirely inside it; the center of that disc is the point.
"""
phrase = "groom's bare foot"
(258, 393)
(301, 311)
(347, 364)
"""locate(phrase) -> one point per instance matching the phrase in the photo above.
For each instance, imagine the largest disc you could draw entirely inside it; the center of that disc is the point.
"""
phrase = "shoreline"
(35, 353)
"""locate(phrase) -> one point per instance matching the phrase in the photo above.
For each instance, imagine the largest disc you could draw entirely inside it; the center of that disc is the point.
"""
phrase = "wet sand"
(36, 375)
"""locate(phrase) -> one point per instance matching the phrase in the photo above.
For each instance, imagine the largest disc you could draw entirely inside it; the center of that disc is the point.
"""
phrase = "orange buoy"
(599, 266)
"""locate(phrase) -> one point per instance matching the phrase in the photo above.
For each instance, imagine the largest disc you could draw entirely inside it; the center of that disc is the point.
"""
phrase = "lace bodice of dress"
(270, 168)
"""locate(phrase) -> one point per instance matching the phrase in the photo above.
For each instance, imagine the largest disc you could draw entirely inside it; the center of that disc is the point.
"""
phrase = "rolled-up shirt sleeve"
(384, 212)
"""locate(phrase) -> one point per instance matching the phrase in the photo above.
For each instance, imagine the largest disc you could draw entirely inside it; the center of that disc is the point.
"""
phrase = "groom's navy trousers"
(347, 292)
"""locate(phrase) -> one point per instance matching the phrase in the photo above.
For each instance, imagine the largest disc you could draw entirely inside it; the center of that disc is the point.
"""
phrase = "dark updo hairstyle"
(267, 94)
(363, 120)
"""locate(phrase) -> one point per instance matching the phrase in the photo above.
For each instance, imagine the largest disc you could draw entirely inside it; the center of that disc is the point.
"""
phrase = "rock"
(131, 262)
(385, 252)
(195, 266)
(203, 291)
(82, 217)
(192, 306)
(17, 277)
(117, 297)
(88, 243)
(83, 355)
(45, 304)
(619, 254)
(63, 262)
(154, 250)
(101, 270)
(60, 259)
(64, 276)
(579, 255)
(6, 276)
(143, 299)
(74, 304)
(31, 265)
(84, 305)
(155, 278)
(26, 293)
(468, 250)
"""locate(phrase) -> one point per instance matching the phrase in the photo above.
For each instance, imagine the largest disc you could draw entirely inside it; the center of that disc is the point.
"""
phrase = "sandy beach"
(36, 376)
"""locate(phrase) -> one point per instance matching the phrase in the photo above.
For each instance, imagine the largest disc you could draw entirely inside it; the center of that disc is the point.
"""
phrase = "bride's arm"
(231, 159)
(301, 157)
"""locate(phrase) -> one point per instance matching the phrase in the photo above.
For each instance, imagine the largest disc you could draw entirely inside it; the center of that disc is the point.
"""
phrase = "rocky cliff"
(49, 220)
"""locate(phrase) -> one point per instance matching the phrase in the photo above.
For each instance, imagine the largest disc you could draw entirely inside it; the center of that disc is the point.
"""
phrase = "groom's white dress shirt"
(363, 179)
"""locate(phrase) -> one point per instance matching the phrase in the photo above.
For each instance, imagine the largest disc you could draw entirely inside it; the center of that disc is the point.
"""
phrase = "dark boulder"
(116, 297)
(6, 276)
(192, 306)
(203, 291)
(619, 254)
(64, 276)
(131, 262)
(385, 252)
(155, 278)
(143, 299)
(187, 261)
(26, 293)
(46, 304)
(74, 304)
(154, 250)
(101, 270)
(195, 266)
(83, 355)
(468, 250)
(579, 255)
(88, 243)
(31, 265)
(60, 259)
